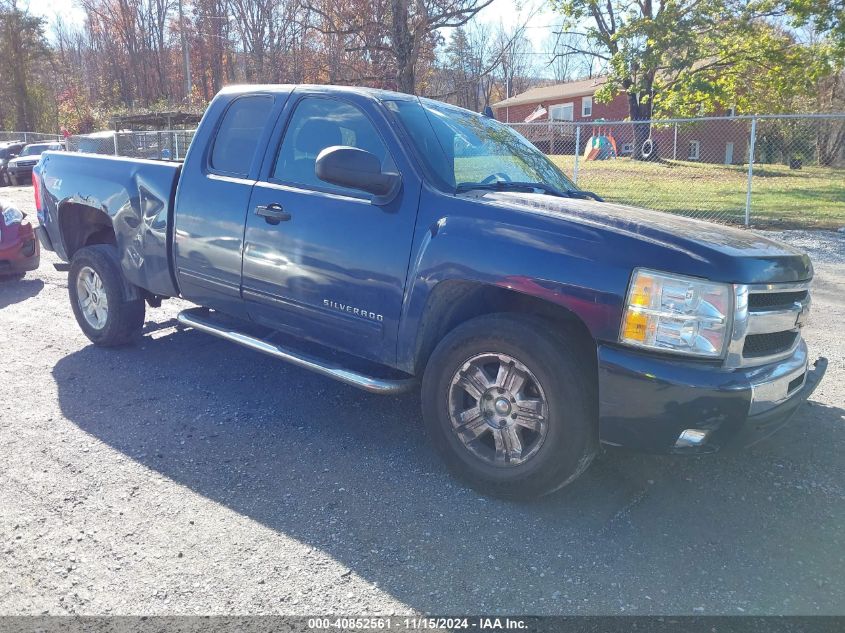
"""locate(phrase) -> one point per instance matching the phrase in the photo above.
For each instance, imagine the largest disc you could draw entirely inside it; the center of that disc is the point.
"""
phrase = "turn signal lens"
(678, 314)
(636, 326)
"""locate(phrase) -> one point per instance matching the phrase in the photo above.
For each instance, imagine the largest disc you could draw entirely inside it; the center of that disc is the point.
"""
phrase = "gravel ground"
(186, 475)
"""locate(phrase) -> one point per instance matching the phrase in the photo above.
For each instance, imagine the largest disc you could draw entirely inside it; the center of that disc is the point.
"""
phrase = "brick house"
(719, 141)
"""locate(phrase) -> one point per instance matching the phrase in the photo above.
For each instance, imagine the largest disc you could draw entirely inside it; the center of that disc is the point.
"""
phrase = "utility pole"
(507, 96)
(186, 55)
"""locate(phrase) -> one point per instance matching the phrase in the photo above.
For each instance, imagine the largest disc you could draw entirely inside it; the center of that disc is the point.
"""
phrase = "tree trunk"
(403, 46)
(830, 142)
(639, 111)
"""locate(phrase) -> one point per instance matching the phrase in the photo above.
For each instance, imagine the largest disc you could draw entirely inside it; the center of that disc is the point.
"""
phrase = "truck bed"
(137, 194)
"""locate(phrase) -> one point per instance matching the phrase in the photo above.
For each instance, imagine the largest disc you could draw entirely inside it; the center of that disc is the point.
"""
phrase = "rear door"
(213, 196)
(333, 268)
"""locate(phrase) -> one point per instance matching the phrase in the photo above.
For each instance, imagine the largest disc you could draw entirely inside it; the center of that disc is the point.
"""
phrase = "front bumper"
(646, 402)
(761, 425)
(21, 174)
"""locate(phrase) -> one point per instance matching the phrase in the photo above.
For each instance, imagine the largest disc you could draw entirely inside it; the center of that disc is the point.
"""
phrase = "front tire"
(510, 405)
(109, 311)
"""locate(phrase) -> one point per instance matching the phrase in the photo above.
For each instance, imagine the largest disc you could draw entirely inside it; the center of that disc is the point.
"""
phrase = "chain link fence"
(28, 137)
(156, 145)
(751, 170)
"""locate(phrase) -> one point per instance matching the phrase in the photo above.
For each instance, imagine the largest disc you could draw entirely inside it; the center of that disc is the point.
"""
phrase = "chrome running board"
(367, 383)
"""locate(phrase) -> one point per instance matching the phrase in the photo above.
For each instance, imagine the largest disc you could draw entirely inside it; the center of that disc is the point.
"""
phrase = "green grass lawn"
(812, 197)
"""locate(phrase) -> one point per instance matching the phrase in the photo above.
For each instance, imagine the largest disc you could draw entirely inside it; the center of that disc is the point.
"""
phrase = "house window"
(586, 106)
(561, 112)
(694, 150)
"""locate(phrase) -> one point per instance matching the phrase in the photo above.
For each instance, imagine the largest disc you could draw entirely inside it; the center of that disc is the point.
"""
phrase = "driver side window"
(318, 123)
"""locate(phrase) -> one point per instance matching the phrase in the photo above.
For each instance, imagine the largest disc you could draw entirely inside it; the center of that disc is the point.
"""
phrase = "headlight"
(673, 313)
(12, 216)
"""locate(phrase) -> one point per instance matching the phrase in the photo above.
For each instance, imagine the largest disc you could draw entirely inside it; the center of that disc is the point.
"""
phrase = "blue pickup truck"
(389, 241)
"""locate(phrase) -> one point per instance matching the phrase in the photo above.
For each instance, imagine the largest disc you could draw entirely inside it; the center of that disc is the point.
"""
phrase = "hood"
(729, 254)
(25, 160)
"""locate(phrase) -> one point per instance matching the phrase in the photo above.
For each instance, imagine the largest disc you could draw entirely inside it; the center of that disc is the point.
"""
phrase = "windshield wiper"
(505, 185)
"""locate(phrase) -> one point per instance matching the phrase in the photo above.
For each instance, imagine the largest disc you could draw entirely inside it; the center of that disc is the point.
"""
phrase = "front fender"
(559, 266)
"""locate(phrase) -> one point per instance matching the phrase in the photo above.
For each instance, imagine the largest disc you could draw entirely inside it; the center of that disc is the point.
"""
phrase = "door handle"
(272, 213)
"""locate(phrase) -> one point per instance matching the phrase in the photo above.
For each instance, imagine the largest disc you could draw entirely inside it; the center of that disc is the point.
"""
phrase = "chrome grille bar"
(760, 320)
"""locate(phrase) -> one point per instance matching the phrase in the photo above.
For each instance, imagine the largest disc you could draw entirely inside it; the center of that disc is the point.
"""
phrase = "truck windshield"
(460, 149)
(37, 150)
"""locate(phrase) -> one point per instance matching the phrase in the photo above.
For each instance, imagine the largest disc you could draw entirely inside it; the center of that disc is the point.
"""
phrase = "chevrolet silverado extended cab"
(386, 240)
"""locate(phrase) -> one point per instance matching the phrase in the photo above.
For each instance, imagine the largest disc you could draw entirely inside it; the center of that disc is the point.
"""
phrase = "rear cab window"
(237, 137)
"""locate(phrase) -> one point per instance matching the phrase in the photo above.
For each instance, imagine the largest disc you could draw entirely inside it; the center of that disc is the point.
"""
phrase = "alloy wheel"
(498, 409)
(92, 298)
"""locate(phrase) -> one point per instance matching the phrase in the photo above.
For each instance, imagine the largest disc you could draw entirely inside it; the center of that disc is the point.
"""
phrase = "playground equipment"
(601, 145)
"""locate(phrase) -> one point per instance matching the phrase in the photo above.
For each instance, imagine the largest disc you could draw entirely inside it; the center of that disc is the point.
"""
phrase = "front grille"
(767, 326)
(775, 299)
(757, 345)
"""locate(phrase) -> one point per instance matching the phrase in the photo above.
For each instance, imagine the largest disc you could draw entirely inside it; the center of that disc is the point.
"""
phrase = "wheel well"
(455, 302)
(81, 225)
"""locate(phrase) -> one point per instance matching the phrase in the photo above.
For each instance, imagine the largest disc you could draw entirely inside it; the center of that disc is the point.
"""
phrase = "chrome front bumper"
(772, 385)
(762, 425)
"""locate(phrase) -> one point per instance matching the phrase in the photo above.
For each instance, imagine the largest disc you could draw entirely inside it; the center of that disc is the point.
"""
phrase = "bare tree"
(254, 23)
(396, 32)
(211, 45)
(569, 55)
(470, 59)
(516, 54)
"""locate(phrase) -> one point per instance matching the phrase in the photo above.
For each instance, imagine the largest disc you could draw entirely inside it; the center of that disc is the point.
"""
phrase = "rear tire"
(109, 310)
(526, 424)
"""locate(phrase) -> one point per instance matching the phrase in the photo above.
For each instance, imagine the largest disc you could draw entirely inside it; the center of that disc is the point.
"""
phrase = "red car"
(19, 250)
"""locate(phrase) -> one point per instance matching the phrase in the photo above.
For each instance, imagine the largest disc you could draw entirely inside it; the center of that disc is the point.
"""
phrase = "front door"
(729, 154)
(321, 261)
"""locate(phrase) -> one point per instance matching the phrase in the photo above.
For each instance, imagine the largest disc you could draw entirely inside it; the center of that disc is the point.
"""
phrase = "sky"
(510, 12)
(65, 9)
(538, 19)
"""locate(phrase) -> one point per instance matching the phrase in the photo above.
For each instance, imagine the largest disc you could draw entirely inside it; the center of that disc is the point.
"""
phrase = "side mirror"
(357, 169)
